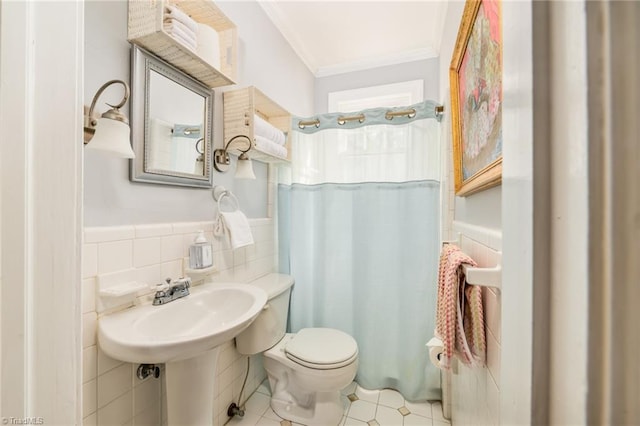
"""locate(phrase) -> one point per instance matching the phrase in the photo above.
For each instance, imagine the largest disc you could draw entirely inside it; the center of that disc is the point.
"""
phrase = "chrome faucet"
(172, 290)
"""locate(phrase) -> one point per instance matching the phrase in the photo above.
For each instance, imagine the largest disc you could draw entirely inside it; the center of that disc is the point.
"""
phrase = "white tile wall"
(475, 391)
(112, 394)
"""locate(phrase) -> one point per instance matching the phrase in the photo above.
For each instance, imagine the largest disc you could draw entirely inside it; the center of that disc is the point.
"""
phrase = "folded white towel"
(172, 12)
(185, 42)
(237, 226)
(265, 129)
(175, 25)
(266, 145)
(209, 45)
(181, 33)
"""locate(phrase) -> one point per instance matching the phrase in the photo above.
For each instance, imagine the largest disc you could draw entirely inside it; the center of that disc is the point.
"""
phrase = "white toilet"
(307, 369)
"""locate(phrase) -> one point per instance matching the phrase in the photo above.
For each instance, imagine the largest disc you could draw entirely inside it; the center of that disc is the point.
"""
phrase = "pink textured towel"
(459, 315)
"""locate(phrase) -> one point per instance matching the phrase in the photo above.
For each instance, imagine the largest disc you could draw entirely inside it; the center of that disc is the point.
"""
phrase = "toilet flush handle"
(265, 307)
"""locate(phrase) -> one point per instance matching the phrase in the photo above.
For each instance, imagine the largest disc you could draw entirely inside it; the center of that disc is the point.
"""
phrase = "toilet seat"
(322, 348)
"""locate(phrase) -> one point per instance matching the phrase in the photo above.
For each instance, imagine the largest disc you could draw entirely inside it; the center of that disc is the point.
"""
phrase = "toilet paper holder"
(435, 351)
(434, 342)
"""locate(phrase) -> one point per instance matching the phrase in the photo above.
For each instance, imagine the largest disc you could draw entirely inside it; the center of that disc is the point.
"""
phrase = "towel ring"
(231, 197)
(199, 146)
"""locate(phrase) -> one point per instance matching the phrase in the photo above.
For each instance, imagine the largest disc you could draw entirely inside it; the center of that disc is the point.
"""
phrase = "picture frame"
(475, 76)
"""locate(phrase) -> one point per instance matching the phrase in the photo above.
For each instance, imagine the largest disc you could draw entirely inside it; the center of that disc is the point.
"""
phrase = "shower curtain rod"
(389, 115)
(187, 130)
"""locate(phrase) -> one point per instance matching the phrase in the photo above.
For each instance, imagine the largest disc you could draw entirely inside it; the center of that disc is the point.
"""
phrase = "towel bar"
(484, 277)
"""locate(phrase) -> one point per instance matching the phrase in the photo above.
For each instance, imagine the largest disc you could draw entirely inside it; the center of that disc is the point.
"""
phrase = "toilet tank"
(271, 324)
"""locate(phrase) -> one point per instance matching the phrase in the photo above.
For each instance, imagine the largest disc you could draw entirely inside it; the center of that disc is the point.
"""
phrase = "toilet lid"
(322, 348)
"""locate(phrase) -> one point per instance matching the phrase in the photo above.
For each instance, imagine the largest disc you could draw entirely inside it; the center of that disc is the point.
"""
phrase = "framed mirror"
(171, 124)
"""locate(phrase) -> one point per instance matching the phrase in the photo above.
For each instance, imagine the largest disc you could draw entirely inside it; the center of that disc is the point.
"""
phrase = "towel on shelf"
(172, 12)
(209, 45)
(181, 33)
(236, 226)
(267, 145)
(184, 41)
(263, 128)
(459, 314)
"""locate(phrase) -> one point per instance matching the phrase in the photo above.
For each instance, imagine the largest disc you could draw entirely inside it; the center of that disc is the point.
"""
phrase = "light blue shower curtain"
(364, 257)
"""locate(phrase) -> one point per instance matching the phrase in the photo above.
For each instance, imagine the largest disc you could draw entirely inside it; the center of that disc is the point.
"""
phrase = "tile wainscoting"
(475, 392)
(112, 394)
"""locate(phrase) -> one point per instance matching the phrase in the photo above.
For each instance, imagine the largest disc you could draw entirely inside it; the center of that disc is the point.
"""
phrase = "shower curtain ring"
(303, 124)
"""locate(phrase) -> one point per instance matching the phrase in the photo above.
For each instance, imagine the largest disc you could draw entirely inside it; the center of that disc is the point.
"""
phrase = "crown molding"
(290, 36)
(380, 61)
(272, 11)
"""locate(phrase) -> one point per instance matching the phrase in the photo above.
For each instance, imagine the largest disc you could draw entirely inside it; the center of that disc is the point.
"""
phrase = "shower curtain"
(358, 230)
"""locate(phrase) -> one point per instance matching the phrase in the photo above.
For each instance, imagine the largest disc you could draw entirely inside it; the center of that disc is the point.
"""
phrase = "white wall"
(265, 60)
(545, 214)
(569, 226)
(426, 70)
(517, 207)
(40, 118)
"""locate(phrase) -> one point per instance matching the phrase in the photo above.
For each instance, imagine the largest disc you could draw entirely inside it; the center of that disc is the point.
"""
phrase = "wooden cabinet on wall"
(240, 108)
(145, 29)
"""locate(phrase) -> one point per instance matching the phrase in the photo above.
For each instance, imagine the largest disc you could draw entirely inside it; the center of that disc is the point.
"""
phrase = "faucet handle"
(162, 286)
(185, 282)
(170, 285)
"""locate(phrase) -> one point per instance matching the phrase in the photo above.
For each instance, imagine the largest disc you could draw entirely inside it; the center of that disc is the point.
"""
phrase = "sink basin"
(211, 315)
(186, 335)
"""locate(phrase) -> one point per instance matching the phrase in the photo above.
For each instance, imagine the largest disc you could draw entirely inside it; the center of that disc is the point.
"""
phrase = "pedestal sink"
(185, 335)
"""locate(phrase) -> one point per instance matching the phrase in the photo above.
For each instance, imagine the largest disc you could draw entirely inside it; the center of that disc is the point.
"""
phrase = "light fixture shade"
(112, 137)
(244, 169)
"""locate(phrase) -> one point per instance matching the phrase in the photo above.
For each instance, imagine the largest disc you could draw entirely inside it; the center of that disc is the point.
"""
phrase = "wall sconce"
(111, 132)
(222, 160)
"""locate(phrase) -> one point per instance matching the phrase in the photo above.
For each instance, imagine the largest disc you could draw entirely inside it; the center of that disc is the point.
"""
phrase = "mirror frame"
(142, 63)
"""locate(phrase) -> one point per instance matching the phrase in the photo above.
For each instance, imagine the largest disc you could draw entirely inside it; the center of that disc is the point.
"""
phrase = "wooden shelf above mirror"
(145, 29)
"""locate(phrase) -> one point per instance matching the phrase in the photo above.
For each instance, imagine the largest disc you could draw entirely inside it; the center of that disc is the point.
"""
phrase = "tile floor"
(362, 408)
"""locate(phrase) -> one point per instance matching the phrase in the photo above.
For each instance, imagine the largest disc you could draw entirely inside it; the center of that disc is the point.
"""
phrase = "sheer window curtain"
(358, 230)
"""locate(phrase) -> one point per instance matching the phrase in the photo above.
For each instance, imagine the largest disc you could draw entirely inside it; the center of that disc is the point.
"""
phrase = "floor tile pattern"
(363, 407)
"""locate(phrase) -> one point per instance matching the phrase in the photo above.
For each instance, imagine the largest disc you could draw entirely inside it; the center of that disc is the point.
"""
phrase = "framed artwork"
(475, 76)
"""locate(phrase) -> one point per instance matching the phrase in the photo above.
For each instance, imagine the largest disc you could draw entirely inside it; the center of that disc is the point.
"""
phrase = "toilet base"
(306, 395)
(321, 408)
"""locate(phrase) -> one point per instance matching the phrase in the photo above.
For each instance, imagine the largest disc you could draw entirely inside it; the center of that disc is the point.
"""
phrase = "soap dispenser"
(200, 252)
